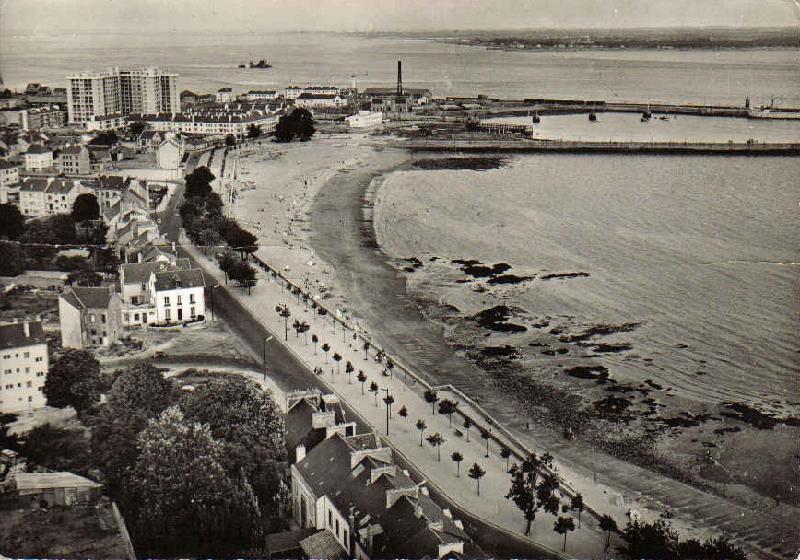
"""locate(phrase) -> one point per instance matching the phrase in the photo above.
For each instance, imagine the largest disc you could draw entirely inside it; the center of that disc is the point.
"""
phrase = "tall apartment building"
(23, 366)
(122, 91)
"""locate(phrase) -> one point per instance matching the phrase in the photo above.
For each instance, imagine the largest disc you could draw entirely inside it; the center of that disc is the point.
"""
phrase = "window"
(103, 318)
(29, 384)
(330, 518)
(180, 298)
(27, 355)
(345, 538)
(168, 315)
(191, 298)
(38, 359)
(166, 300)
(337, 528)
(91, 318)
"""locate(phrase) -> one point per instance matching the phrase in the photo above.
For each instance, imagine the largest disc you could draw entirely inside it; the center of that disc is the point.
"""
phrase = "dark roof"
(12, 335)
(286, 541)
(38, 149)
(72, 150)
(137, 273)
(269, 91)
(393, 91)
(7, 164)
(171, 280)
(317, 96)
(224, 89)
(322, 546)
(88, 297)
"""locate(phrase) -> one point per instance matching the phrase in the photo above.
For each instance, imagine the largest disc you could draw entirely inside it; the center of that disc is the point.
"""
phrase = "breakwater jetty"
(580, 146)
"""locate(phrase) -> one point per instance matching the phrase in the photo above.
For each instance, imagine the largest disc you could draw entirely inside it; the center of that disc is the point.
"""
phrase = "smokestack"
(399, 77)
(27, 328)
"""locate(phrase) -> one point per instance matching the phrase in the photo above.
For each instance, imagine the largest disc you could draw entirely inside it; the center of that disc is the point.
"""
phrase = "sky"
(42, 16)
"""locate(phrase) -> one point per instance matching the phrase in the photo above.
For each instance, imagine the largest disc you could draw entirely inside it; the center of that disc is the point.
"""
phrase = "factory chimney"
(399, 77)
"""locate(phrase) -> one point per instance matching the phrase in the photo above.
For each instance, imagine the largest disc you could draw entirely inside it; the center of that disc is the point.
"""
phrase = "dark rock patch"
(469, 163)
(605, 348)
(588, 372)
(600, 330)
(746, 413)
(496, 319)
(509, 279)
(564, 275)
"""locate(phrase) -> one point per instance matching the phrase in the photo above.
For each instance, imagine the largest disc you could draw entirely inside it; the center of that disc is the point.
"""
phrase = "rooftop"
(83, 297)
(44, 481)
(38, 149)
(137, 273)
(12, 335)
(175, 279)
(322, 545)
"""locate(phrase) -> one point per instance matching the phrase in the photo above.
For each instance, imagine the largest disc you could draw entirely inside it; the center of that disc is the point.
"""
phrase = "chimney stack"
(27, 328)
(399, 77)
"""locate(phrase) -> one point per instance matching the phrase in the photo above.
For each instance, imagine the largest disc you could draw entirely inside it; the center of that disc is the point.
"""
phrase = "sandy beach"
(319, 197)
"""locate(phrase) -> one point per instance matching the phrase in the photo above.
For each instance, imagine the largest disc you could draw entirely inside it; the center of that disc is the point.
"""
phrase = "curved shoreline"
(343, 235)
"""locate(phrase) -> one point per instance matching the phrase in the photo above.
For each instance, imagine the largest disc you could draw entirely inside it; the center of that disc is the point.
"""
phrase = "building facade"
(225, 95)
(38, 157)
(178, 295)
(210, 123)
(89, 316)
(320, 100)
(9, 173)
(74, 160)
(23, 366)
(261, 95)
(365, 119)
(45, 196)
(121, 91)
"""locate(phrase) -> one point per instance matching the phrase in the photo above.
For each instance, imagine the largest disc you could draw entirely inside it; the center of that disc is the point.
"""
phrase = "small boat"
(646, 115)
(664, 117)
(242, 66)
(592, 117)
(535, 118)
(260, 64)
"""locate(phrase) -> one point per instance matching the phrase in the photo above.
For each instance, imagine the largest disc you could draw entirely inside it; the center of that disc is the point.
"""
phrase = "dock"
(539, 145)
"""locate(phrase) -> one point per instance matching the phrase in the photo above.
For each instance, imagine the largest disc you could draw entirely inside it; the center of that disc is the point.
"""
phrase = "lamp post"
(267, 339)
(388, 399)
(283, 310)
(211, 299)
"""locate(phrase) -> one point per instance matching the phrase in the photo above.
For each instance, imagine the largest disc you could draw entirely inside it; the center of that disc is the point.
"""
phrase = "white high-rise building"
(23, 366)
(121, 91)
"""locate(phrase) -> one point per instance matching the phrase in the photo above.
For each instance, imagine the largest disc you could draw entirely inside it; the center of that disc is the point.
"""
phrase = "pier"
(573, 146)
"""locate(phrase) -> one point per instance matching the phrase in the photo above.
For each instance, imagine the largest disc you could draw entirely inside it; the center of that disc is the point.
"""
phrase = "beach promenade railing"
(484, 422)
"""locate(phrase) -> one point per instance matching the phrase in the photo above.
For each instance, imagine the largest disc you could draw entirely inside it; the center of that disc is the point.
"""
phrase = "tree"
(373, 388)
(84, 278)
(457, 458)
(326, 348)
(576, 503)
(314, 341)
(431, 396)
(348, 368)
(226, 263)
(403, 413)
(436, 441)
(337, 358)
(421, 426)
(73, 380)
(505, 453)
(299, 123)
(362, 378)
(656, 540)
(57, 449)
(476, 473)
(198, 182)
(108, 138)
(563, 526)
(366, 349)
(12, 258)
(608, 525)
(136, 128)
(12, 222)
(253, 131)
(141, 389)
(243, 274)
(448, 407)
(240, 240)
(526, 481)
(230, 140)
(85, 208)
(186, 503)
(486, 436)
(467, 426)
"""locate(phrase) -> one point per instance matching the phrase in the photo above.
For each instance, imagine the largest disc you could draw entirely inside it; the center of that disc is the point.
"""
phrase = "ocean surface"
(704, 252)
(208, 61)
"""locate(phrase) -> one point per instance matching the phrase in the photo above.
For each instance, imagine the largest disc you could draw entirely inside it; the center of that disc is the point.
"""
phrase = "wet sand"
(376, 292)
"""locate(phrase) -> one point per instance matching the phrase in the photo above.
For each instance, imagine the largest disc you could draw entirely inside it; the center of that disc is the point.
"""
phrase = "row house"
(219, 123)
(89, 316)
(45, 196)
(362, 505)
(23, 366)
(320, 100)
(225, 95)
(261, 95)
(105, 123)
(74, 160)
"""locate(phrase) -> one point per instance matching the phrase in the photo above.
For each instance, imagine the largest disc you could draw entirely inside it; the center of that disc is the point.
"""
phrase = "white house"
(225, 95)
(292, 92)
(261, 95)
(138, 303)
(23, 366)
(365, 119)
(103, 123)
(40, 196)
(38, 157)
(178, 295)
(319, 100)
(169, 154)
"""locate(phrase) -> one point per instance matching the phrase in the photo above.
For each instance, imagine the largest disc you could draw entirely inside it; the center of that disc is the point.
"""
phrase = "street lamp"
(389, 400)
(267, 339)
(211, 294)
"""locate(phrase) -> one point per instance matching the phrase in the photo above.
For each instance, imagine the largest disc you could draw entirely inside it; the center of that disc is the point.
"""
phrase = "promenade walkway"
(491, 504)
